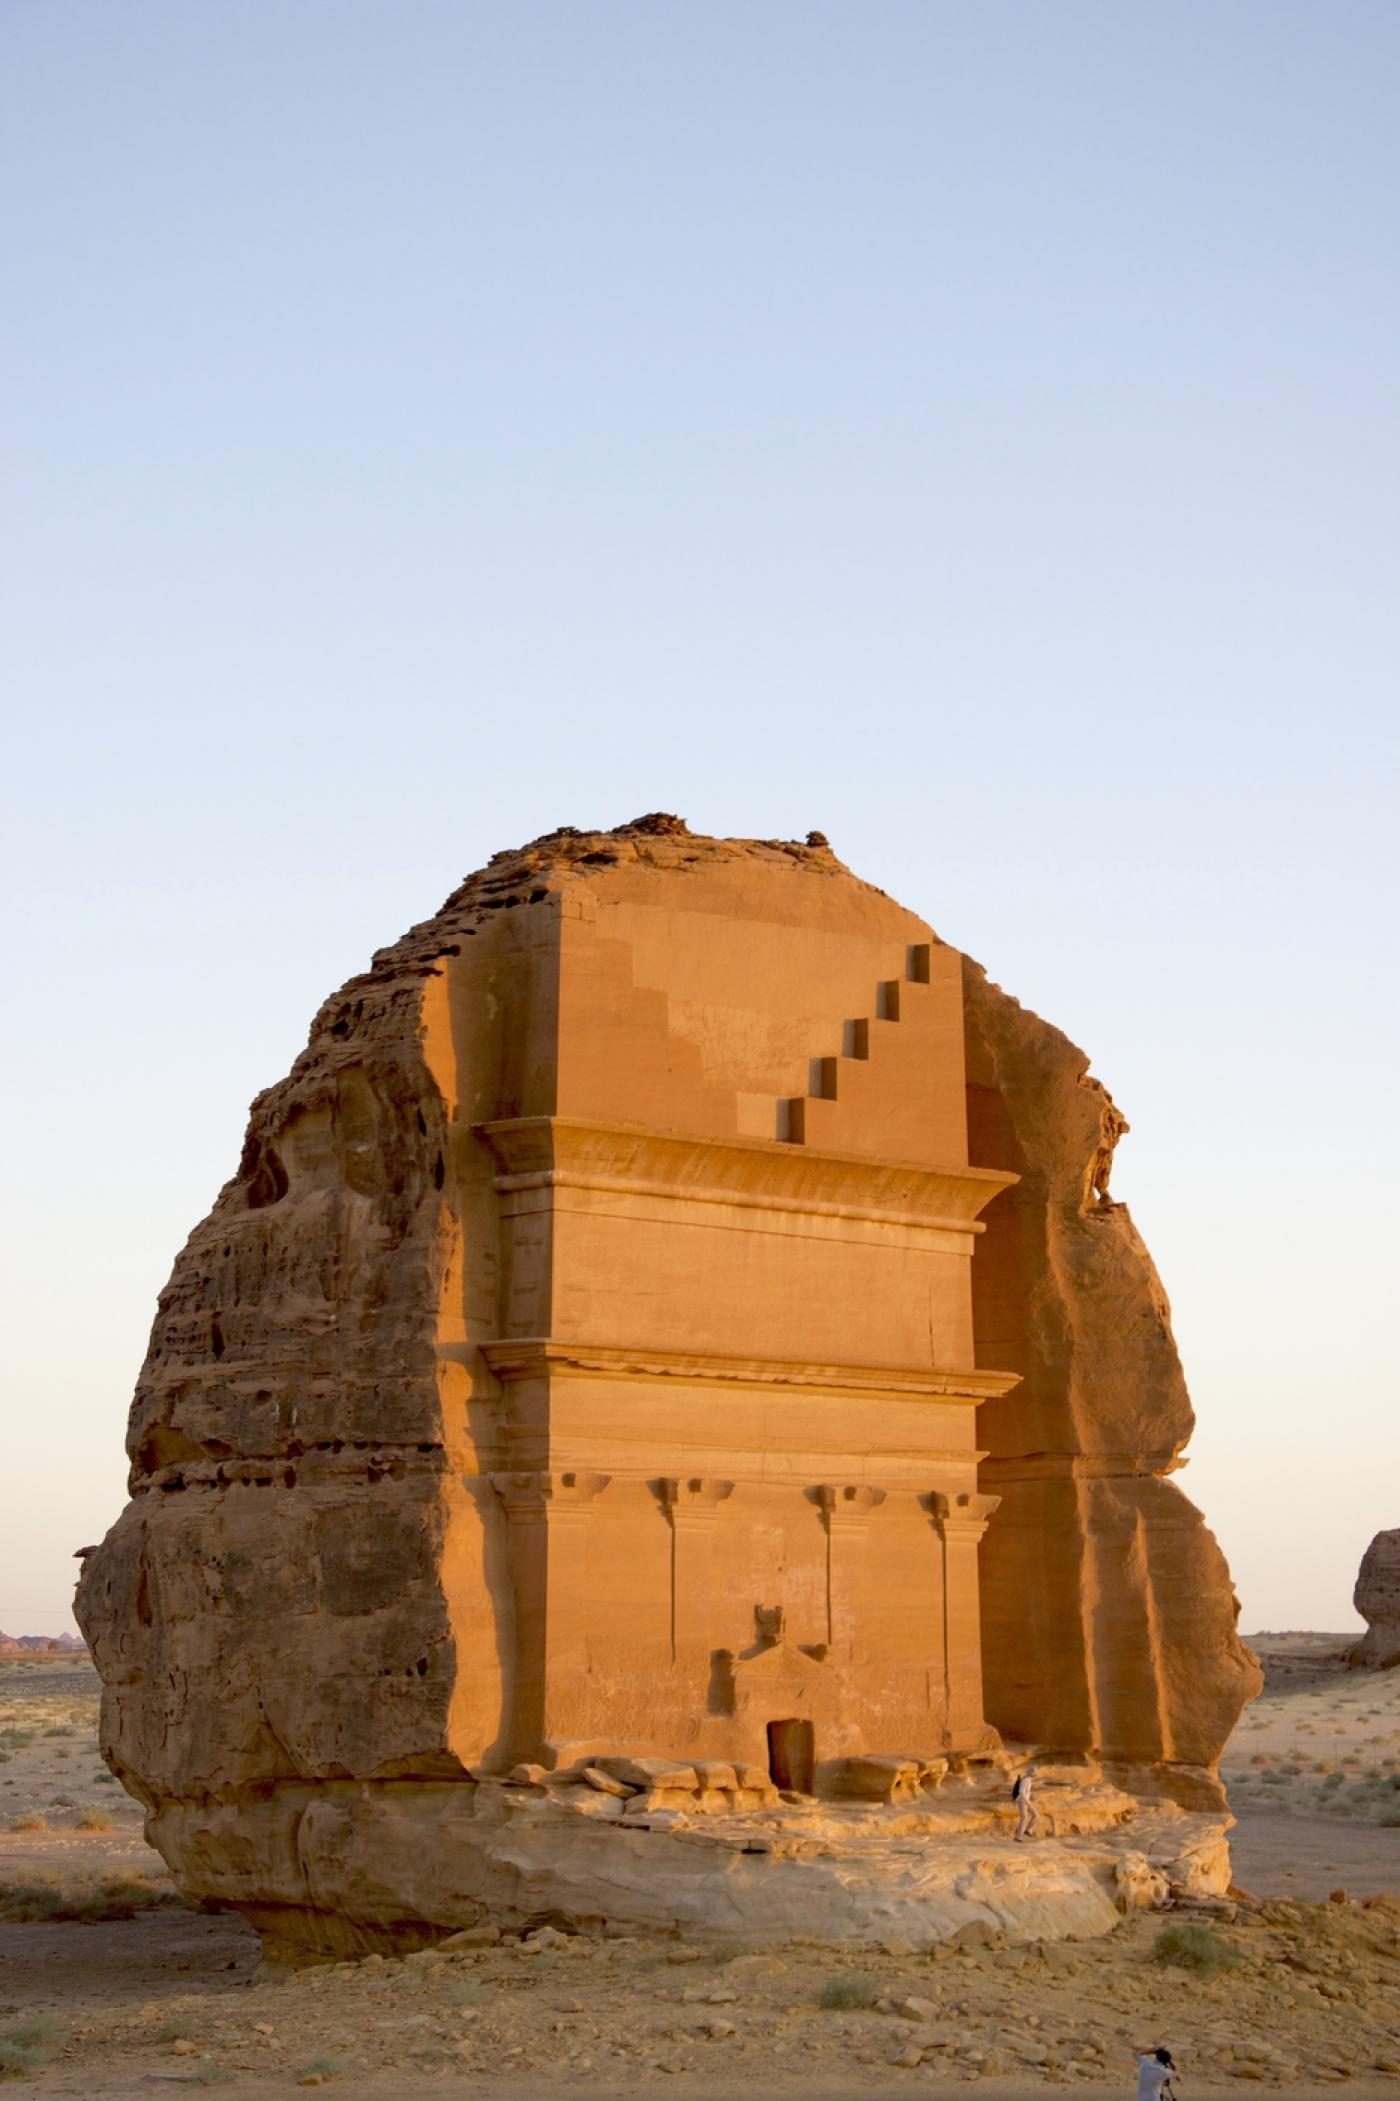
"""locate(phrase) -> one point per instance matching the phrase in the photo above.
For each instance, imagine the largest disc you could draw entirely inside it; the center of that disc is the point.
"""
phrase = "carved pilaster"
(691, 1506)
(961, 1519)
(846, 1512)
(548, 1515)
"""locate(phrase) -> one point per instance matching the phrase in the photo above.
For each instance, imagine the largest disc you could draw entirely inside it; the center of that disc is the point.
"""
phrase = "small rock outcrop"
(1377, 1599)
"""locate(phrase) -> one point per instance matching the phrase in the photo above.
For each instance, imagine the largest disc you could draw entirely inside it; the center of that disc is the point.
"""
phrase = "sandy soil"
(56, 1796)
(174, 1997)
(1314, 1773)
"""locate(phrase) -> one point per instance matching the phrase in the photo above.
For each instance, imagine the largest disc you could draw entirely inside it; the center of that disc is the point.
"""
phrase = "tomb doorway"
(791, 1755)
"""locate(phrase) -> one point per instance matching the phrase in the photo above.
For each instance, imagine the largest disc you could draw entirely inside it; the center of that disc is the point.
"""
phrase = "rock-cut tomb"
(667, 1368)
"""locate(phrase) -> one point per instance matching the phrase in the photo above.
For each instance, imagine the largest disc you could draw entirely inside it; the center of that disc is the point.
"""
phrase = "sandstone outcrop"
(1377, 1599)
(588, 1380)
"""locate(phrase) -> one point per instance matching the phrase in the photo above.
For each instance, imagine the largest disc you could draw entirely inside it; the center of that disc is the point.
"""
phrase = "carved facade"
(732, 1378)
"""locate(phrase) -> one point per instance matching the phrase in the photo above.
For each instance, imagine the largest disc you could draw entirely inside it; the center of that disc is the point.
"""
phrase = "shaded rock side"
(1377, 1599)
(271, 1605)
(1108, 1612)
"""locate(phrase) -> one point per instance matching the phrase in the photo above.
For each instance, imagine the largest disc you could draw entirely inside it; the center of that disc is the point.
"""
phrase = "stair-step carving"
(844, 1082)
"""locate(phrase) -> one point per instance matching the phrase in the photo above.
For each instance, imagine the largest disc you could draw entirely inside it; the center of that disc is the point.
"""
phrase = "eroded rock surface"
(589, 1365)
(1377, 1599)
(1108, 1612)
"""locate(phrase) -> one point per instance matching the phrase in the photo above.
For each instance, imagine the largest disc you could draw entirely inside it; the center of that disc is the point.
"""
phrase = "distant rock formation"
(599, 1354)
(1377, 1599)
(13, 1645)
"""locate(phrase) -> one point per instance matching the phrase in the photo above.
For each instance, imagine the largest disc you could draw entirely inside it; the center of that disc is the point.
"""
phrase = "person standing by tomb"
(1156, 2071)
(1027, 1814)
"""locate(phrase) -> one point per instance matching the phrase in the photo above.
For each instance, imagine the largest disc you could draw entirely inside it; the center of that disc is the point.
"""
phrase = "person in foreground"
(1155, 2074)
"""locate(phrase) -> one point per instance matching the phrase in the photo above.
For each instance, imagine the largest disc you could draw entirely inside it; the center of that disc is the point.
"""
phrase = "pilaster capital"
(696, 1498)
(851, 1502)
(962, 1516)
(538, 1495)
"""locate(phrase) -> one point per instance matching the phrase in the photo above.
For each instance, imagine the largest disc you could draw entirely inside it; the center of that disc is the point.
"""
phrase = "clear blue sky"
(971, 430)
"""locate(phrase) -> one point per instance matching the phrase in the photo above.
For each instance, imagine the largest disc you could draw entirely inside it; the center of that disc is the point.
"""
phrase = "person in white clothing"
(1023, 1795)
(1155, 2073)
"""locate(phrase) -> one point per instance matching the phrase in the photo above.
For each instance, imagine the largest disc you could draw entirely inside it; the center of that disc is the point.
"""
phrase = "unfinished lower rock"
(351, 1869)
(672, 1310)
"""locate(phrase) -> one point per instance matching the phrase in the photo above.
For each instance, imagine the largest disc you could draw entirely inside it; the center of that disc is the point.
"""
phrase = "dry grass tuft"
(851, 1989)
(1195, 1948)
(25, 2046)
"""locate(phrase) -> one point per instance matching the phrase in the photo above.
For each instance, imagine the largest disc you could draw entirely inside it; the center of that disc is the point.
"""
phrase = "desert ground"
(109, 1986)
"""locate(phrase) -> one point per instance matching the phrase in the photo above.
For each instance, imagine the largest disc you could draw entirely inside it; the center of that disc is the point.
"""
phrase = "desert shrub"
(95, 1820)
(465, 1991)
(207, 2073)
(1291, 1769)
(727, 1950)
(14, 1738)
(180, 2028)
(1390, 1821)
(851, 1988)
(323, 2063)
(118, 1897)
(1194, 1948)
(111, 1897)
(42, 2031)
(25, 2046)
(61, 1729)
(104, 1779)
(28, 1823)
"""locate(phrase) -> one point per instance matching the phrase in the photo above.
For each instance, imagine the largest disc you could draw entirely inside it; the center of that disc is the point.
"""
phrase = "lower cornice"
(1080, 1466)
(535, 1356)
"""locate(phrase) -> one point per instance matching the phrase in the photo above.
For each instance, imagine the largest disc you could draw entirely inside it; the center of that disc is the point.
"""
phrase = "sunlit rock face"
(673, 1310)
